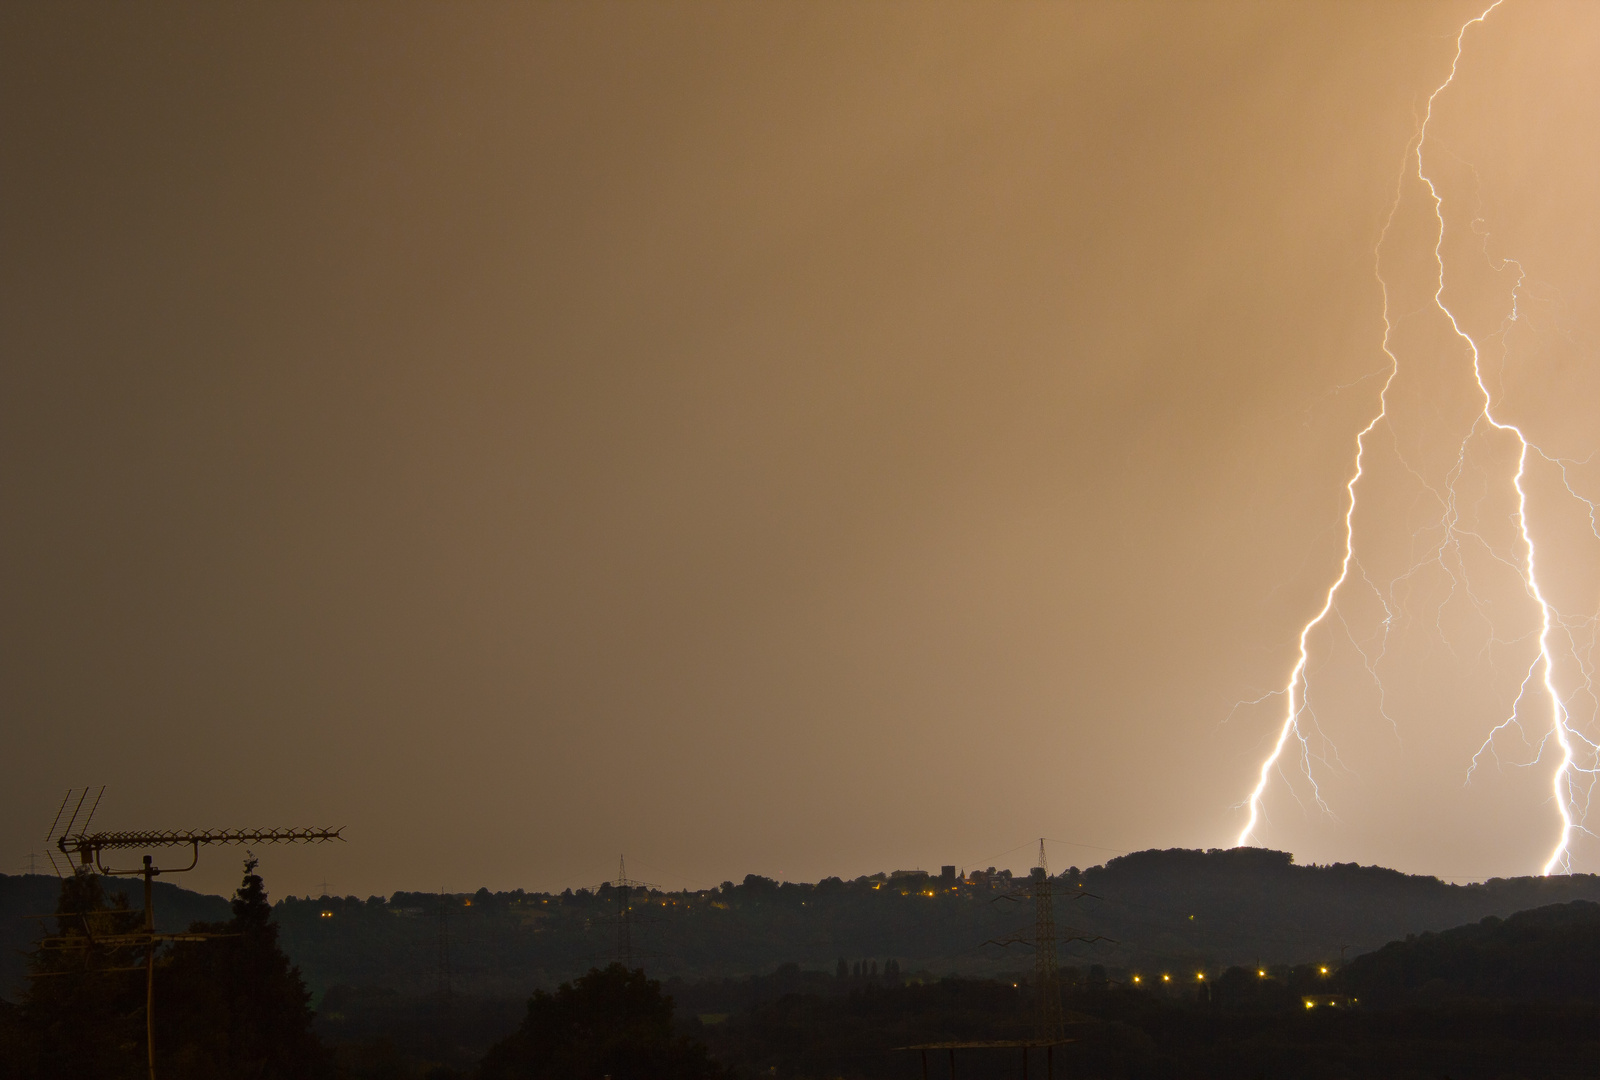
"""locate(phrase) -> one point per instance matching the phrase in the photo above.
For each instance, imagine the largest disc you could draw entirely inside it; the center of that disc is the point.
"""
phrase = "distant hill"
(1182, 908)
(1550, 953)
(24, 895)
(1249, 905)
(1178, 907)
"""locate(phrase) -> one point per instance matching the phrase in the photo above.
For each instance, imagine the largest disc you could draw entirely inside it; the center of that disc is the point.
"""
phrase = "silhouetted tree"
(83, 1013)
(614, 1023)
(13, 1045)
(234, 1006)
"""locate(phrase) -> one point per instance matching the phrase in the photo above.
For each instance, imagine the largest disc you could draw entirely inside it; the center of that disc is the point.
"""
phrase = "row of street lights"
(1200, 976)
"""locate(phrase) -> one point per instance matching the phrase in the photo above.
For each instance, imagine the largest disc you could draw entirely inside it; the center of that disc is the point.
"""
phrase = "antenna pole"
(75, 839)
(445, 992)
(149, 965)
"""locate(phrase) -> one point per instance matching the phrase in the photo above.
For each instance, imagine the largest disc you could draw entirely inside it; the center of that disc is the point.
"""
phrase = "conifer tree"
(234, 1005)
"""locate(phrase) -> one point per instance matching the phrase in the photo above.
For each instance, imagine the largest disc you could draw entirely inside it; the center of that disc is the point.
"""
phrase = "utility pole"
(88, 848)
(443, 987)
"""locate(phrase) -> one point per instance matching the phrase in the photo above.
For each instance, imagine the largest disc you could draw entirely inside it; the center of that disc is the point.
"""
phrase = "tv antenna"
(88, 847)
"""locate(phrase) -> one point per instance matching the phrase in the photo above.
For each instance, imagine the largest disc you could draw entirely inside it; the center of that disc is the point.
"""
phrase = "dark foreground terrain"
(1190, 909)
(421, 986)
(1519, 998)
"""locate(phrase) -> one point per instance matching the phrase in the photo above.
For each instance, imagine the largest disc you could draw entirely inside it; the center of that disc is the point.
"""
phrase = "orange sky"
(787, 438)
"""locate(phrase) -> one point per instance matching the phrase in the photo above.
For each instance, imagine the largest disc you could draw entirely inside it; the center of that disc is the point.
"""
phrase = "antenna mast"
(77, 840)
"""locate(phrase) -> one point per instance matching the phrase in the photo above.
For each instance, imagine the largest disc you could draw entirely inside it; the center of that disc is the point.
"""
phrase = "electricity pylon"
(1049, 1023)
(1046, 963)
(625, 886)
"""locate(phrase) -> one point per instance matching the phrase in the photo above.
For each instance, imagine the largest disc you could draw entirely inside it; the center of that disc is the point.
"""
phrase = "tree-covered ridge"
(1178, 907)
(1518, 993)
(1550, 953)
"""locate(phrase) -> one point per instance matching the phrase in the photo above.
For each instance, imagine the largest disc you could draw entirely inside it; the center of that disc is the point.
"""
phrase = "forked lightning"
(1540, 677)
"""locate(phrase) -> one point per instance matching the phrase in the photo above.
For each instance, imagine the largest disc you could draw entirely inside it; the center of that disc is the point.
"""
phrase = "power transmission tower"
(625, 886)
(1041, 937)
(1046, 963)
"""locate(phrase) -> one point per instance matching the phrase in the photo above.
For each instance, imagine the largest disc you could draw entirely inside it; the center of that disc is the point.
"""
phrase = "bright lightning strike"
(1294, 691)
(1540, 676)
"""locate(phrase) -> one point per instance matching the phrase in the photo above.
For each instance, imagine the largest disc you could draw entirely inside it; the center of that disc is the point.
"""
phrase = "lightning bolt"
(1540, 675)
(1295, 691)
(1566, 737)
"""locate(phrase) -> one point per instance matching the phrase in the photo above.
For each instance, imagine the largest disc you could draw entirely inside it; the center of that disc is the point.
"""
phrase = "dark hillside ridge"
(1205, 910)
(1550, 953)
(1250, 904)
(1202, 909)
